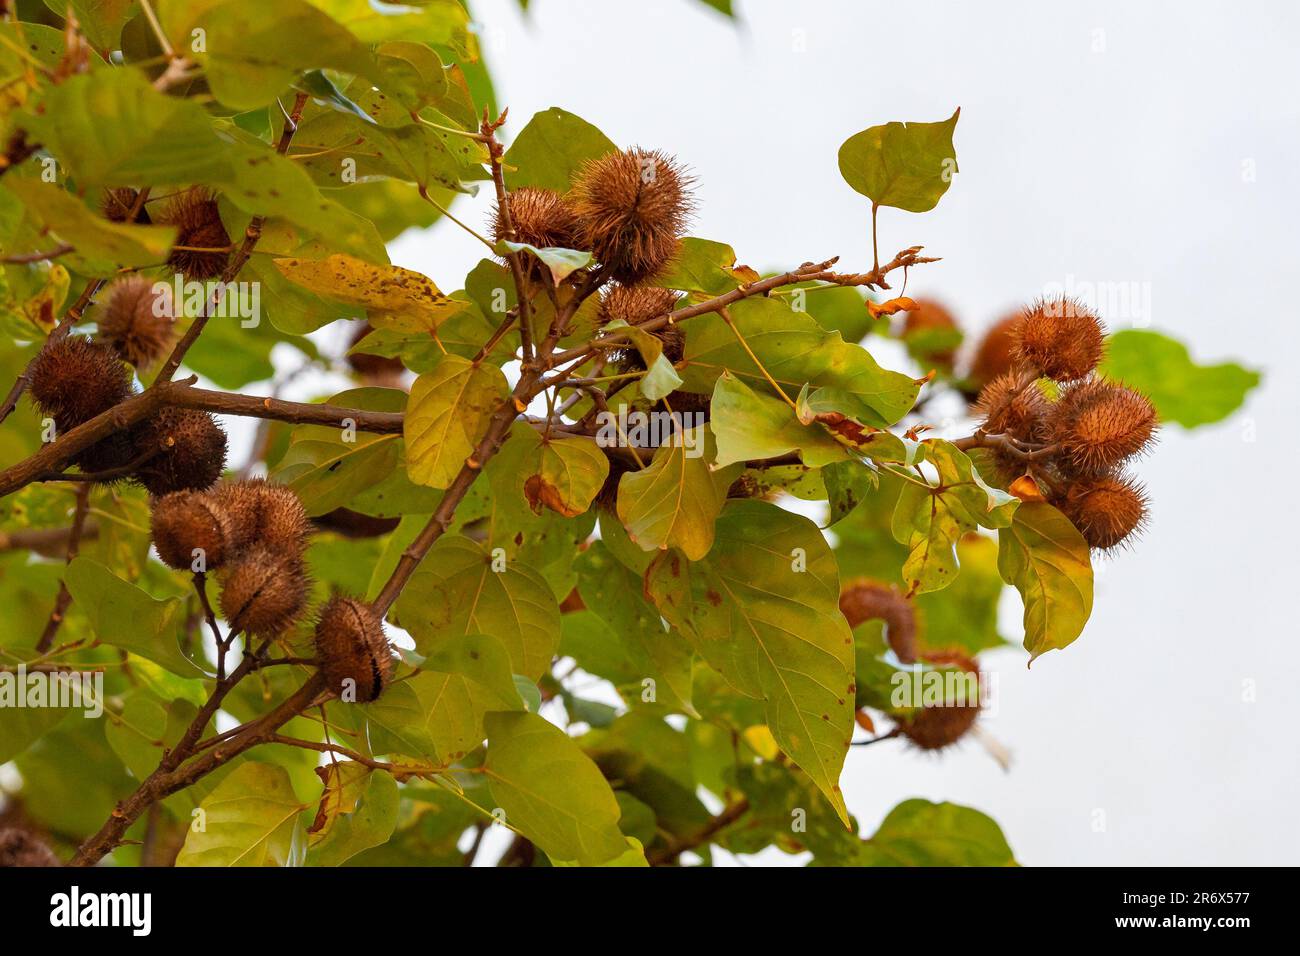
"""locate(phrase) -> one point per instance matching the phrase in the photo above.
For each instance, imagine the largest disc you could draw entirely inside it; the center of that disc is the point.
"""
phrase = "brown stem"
(677, 847)
(64, 598)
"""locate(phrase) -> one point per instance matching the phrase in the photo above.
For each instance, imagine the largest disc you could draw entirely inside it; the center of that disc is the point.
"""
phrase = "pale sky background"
(1155, 144)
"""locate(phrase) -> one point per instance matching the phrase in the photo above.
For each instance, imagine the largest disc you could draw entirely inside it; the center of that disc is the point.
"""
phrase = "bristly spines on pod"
(21, 848)
(541, 217)
(939, 727)
(75, 379)
(136, 318)
(188, 450)
(202, 248)
(263, 592)
(632, 207)
(1108, 511)
(351, 649)
(1061, 338)
(262, 512)
(635, 304)
(189, 525)
(1098, 425)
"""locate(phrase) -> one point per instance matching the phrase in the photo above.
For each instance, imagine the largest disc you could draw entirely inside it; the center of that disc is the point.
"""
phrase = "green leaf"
(253, 52)
(796, 351)
(661, 378)
(749, 425)
(551, 149)
(931, 520)
(905, 165)
(100, 21)
(358, 810)
(965, 615)
(701, 266)
(763, 608)
(447, 416)
(673, 501)
(393, 297)
(1183, 392)
(921, 833)
(20, 727)
(141, 734)
(111, 127)
(456, 591)
(551, 791)
(252, 818)
(563, 474)
(561, 262)
(847, 484)
(124, 616)
(1046, 559)
(439, 711)
(637, 636)
(100, 246)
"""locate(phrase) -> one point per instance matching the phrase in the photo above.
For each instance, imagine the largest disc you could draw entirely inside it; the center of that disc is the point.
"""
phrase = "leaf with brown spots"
(393, 297)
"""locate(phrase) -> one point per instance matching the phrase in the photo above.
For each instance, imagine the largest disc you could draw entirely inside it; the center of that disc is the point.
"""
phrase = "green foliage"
(1184, 392)
(623, 646)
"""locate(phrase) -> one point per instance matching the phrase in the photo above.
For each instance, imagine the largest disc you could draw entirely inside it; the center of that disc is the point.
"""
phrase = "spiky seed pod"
(935, 728)
(541, 217)
(265, 513)
(1060, 338)
(205, 242)
(930, 316)
(263, 592)
(632, 209)
(138, 320)
(993, 354)
(865, 600)
(350, 646)
(187, 521)
(116, 205)
(635, 304)
(1107, 511)
(1098, 425)
(190, 451)
(22, 848)
(1013, 404)
(75, 379)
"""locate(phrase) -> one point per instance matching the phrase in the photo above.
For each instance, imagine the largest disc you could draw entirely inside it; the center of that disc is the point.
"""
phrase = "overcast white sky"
(1148, 143)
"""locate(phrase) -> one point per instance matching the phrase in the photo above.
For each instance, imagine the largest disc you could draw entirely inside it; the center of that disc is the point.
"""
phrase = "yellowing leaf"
(447, 416)
(252, 818)
(393, 297)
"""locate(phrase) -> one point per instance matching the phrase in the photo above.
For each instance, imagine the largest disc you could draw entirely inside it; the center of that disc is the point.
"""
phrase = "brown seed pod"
(541, 217)
(350, 646)
(184, 522)
(1013, 404)
(204, 243)
(75, 379)
(632, 208)
(931, 316)
(263, 592)
(1059, 337)
(116, 205)
(190, 446)
(1107, 511)
(22, 848)
(935, 728)
(265, 513)
(993, 354)
(635, 304)
(1098, 425)
(866, 600)
(137, 320)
